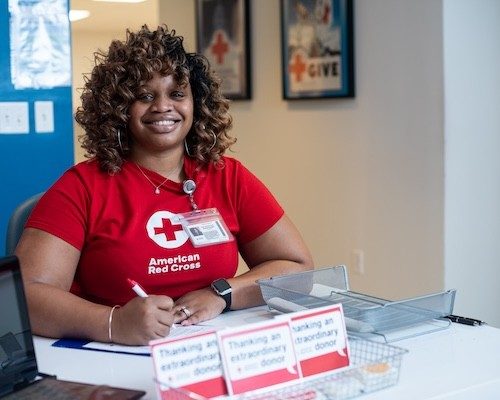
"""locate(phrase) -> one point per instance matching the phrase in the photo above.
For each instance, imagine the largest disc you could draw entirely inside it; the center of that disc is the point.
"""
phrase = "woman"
(157, 203)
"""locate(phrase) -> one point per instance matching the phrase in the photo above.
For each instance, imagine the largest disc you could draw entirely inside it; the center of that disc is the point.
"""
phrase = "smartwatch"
(223, 289)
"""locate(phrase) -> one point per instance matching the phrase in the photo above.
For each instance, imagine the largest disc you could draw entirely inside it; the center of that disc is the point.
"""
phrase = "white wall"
(472, 196)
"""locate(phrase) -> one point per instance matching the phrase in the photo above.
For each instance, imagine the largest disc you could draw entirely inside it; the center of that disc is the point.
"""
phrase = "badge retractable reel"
(204, 227)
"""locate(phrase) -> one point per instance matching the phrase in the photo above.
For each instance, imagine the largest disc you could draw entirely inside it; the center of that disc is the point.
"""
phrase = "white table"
(461, 362)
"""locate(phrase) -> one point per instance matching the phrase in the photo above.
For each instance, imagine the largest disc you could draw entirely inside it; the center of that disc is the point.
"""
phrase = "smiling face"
(161, 116)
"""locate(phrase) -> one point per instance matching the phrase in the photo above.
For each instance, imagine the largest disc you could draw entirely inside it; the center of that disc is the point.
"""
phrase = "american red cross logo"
(297, 67)
(219, 48)
(165, 230)
(168, 228)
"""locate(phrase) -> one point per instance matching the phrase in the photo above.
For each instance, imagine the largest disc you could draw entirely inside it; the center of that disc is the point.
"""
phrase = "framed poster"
(222, 33)
(317, 48)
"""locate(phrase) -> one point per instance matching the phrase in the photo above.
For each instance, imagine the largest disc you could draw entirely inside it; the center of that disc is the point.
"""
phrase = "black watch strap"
(223, 289)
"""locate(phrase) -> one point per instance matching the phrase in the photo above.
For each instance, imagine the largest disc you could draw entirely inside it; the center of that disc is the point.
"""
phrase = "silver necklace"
(157, 187)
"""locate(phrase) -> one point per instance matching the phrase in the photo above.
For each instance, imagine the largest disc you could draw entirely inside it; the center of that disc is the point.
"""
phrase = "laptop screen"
(17, 356)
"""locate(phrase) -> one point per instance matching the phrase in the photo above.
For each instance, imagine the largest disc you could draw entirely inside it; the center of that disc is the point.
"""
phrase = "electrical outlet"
(358, 261)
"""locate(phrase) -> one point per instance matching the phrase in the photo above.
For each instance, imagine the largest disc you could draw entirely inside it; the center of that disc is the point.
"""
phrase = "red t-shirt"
(124, 230)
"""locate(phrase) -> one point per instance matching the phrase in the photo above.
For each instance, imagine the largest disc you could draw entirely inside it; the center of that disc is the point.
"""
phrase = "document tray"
(364, 314)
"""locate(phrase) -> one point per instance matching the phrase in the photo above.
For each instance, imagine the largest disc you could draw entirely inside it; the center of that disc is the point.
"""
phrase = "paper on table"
(233, 318)
(320, 290)
(179, 331)
(286, 306)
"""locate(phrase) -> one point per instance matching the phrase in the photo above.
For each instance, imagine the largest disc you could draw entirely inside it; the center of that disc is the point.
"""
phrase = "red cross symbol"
(298, 67)
(220, 48)
(167, 228)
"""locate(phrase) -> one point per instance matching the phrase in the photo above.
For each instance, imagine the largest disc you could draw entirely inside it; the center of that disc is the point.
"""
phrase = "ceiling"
(110, 16)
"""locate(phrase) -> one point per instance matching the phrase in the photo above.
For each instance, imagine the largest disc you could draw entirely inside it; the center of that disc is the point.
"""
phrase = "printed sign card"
(251, 357)
(320, 339)
(191, 363)
(258, 355)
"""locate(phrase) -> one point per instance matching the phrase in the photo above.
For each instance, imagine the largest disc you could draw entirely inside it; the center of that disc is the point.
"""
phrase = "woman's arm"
(280, 250)
(48, 266)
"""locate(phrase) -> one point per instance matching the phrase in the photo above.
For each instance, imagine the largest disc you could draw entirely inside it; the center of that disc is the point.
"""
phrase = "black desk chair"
(17, 221)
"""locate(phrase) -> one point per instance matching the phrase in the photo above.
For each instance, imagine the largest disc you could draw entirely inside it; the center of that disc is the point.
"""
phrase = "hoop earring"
(119, 135)
(187, 148)
(214, 143)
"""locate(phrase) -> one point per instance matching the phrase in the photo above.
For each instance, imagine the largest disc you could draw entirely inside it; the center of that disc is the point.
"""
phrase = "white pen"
(139, 291)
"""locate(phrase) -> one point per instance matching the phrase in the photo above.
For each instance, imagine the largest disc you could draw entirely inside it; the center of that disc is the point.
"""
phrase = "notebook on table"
(19, 375)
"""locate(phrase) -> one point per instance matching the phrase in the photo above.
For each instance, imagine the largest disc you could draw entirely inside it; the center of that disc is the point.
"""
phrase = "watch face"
(221, 287)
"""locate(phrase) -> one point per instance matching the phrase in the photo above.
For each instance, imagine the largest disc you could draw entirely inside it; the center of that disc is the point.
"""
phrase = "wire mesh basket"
(374, 366)
(364, 314)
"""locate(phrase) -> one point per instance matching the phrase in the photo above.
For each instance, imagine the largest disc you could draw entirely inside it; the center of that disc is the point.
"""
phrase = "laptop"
(19, 375)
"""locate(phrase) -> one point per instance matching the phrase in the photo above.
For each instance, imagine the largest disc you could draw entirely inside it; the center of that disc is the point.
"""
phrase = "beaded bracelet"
(110, 321)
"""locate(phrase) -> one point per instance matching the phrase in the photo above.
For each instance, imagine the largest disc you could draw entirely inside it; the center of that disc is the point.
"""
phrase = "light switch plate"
(44, 116)
(14, 117)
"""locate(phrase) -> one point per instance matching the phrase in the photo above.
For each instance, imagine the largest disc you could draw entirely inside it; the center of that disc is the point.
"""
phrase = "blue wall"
(30, 163)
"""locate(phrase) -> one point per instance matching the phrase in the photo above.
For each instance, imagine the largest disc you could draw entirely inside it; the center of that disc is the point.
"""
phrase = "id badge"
(205, 227)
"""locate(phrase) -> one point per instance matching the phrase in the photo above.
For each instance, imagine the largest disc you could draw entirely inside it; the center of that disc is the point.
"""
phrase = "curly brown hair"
(112, 86)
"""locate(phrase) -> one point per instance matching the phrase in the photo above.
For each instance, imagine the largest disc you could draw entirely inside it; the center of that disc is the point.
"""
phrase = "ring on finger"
(186, 311)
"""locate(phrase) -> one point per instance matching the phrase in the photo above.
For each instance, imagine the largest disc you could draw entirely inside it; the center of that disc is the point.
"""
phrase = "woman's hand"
(142, 320)
(197, 306)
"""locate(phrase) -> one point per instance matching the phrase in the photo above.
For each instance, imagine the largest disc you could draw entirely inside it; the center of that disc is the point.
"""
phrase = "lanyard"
(203, 227)
(188, 187)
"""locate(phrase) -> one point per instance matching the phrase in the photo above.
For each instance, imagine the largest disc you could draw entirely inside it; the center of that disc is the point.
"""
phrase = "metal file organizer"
(390, 320)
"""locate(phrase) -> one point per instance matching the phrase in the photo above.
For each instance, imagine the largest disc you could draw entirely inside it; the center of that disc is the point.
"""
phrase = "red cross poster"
(223, 38)
(317, 48)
